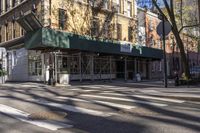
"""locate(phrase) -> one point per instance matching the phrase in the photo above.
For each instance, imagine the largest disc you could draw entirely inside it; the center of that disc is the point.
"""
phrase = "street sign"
(167, 26)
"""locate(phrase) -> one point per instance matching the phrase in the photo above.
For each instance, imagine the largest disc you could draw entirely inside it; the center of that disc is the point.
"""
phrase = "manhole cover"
(47, 115)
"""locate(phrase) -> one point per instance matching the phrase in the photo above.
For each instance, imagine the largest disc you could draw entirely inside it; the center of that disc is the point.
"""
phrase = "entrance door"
(120, 66)
(130, 69)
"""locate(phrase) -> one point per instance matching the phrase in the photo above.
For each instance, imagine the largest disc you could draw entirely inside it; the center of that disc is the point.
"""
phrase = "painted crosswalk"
(75, 109)
(145, 97)
(24, 117)
(124, 99)
(111, 104)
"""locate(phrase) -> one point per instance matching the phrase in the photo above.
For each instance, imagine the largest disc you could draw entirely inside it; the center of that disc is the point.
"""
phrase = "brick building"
(68, 40)
(150, 38)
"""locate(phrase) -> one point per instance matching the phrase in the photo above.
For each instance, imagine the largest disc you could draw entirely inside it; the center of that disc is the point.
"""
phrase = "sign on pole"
(167, 29)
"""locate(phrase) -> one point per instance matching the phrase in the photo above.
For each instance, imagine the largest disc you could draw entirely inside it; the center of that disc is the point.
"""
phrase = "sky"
(148, 3)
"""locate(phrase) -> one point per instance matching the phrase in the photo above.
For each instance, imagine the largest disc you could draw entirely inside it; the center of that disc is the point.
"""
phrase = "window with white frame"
(129, 9)
(118, 2)
(6, 32)
(13, 29)
(1, 6)
(7, 5)
(0, 35)
(106, 4)
(14, 3)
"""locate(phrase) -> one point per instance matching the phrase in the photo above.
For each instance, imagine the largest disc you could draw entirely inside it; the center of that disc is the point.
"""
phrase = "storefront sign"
(127, 48)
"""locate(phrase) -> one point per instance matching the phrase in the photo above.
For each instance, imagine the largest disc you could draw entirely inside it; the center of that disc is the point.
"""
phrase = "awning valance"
(45, 38)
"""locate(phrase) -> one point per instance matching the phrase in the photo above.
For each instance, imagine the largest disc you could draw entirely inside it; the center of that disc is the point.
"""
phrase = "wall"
(79, 18)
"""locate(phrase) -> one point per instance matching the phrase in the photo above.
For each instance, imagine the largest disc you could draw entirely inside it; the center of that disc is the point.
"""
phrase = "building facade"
(66, 40)
(148, 21)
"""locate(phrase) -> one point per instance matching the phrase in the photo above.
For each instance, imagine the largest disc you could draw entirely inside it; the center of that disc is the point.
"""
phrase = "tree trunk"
(182, 52)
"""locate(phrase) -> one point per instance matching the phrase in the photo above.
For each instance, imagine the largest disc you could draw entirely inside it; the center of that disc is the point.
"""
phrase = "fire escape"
(99, 6)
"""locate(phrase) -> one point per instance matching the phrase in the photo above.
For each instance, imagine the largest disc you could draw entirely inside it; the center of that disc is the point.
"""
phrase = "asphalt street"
(103, 107)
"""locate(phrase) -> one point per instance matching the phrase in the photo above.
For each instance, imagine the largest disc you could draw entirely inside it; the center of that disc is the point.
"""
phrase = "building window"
(118, 2)
(0, 35)
(21, 31)
(6, 32)
(106, 4)
(160, 66)
(1, 8)
(15, 58)
(106, 30)
(153, 66)
(151, 27)
(74, 65)
(7, 5)
(130, 34)
(13, 29)
(95, 27)
(119, 31)
(178, 7)
(34, 64)
(62, 18)
(14, 3)
(129, 9)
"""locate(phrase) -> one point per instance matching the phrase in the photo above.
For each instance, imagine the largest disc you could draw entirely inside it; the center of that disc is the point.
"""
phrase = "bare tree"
(83, 17)
(177, 27)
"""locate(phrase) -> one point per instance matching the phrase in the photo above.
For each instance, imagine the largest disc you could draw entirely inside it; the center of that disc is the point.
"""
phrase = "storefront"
(73, 57)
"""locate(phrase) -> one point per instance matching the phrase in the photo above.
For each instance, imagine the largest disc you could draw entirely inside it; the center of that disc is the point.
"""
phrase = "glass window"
(13, 29)
(35, 64)
(129, 9)
(119, 31)
(106, 4)
(130, 34)
(1, 8)
(6, 32)
(62, 18)
(7, 5)
(74, 65)
(118, 2)
(0, 35)
(14, 3)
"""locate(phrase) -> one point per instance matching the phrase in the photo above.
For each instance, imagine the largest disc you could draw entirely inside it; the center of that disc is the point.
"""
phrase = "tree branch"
(158, 8)
(188, 26)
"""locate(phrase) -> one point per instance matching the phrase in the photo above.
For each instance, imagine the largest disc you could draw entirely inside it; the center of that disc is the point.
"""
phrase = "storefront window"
(74, 65)
(35, 64)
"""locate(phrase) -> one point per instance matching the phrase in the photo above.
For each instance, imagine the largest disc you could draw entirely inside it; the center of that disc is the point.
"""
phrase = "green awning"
(48, 38)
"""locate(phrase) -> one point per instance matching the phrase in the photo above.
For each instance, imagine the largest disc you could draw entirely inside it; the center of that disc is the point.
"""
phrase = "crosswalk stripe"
(158, 98)
(23, 116)
(146, 97)
(76, 109)
(72, 98)
(115, 104)
(101, 102)
(125, 99)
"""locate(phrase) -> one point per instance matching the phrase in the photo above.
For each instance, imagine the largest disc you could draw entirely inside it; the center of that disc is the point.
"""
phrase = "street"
(104, 107)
